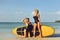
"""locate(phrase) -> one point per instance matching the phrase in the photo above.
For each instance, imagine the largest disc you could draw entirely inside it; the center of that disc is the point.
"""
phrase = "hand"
(38, 16)
(23, 20)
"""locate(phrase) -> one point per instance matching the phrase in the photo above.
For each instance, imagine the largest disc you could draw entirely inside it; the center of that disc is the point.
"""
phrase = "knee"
(24, 30)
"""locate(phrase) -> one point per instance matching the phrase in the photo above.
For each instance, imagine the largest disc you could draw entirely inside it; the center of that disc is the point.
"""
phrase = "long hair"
(36, 10)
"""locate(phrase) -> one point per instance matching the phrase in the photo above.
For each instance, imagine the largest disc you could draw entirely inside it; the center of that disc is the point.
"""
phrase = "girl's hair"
(36, 10)
(27, 18)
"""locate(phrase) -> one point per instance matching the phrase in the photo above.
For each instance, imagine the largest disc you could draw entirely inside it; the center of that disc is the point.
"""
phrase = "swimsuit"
(29, 27)
(35, 19)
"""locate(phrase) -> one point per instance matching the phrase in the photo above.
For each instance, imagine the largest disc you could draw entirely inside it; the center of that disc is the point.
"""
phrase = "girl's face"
(27, 20)
(35, 13)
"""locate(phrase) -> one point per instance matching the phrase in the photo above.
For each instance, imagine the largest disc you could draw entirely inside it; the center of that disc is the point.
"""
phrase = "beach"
(38, 18)
(7, 34)
(31, 39)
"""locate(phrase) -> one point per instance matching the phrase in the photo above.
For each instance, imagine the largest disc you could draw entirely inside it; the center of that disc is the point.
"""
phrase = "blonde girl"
(37, 22)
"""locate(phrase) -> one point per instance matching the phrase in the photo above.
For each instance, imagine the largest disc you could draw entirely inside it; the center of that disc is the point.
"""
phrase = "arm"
(39, 19)
(23, 21)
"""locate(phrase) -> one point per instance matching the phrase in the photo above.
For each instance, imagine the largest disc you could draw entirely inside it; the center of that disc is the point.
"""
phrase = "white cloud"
(58, 12)
(55, 12)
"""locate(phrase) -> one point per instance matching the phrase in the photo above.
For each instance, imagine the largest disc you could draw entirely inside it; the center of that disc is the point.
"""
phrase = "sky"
(16, 10)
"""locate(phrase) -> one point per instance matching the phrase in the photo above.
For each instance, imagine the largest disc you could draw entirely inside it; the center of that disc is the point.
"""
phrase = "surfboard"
(46, 31)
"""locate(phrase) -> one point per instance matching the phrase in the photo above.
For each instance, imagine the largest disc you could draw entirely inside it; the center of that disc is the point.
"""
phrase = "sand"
(8, 36)
(21, 38)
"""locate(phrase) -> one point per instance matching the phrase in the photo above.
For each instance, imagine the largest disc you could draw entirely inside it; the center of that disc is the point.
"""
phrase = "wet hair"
(36, 10)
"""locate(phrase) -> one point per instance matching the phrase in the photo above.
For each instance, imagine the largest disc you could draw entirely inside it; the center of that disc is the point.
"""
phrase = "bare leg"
(29, 34)
(24, 32)
(39, 29)
(34, 28)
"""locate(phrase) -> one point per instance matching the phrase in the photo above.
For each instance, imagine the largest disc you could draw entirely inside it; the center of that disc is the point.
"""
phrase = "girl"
(37, 23)
(29, 27)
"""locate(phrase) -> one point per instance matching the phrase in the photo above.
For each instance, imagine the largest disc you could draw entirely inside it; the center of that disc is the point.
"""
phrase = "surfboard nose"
(15, 31)
(47, 31)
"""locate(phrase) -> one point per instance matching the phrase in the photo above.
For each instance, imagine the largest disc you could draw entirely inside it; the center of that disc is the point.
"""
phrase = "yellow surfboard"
(46, 31)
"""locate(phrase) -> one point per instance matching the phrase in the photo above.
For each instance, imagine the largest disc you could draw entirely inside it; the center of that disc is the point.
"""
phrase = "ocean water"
(7, 27)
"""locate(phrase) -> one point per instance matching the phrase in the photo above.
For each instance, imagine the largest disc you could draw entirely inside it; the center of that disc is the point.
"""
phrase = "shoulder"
(26, 24)
(34, 16)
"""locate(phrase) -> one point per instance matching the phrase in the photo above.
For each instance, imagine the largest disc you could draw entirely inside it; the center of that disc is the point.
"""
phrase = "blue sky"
(15, 10)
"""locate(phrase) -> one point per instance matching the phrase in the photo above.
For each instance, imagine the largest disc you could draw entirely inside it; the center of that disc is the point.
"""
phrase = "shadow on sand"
(55, 35)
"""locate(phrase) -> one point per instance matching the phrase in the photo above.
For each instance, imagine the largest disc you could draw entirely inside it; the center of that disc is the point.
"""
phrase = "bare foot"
(40, 36)
(33, 36)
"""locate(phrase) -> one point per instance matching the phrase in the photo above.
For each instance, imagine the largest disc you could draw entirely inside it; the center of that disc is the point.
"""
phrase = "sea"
(7, 27)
